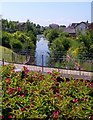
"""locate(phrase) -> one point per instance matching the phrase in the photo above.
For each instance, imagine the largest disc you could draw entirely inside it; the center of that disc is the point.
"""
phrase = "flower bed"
(30, 95)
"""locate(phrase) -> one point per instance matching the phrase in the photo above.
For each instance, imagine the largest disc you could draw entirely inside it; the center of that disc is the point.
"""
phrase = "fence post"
(3, 61)
(42, 63)
(12, 57)
(26, 58)
(22, 60)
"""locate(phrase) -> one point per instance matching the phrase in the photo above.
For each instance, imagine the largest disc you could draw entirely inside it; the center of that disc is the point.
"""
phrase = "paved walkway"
(64, 73)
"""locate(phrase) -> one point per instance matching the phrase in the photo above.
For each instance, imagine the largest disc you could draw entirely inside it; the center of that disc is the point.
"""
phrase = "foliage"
(24, 39)
(6, 39)
(59, 49)
(18, 41)
(13, 26)
(32, 37)
(79, 48)
(51, 34)
(16, 44)
(30, 95)
(24, 32)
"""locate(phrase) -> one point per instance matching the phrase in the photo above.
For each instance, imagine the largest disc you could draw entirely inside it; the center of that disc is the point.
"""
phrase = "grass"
(10, 56)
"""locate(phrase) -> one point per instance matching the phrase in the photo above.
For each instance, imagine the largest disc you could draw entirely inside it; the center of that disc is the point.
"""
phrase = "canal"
(42, 50)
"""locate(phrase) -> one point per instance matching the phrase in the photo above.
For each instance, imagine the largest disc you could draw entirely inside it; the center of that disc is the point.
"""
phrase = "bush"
(16, 44)
(30, 95)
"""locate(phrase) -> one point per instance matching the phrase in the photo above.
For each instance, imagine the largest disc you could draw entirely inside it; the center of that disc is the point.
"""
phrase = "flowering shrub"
(45, 96)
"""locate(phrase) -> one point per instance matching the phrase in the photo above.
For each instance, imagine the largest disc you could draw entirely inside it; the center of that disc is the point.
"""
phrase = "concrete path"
(64, 73)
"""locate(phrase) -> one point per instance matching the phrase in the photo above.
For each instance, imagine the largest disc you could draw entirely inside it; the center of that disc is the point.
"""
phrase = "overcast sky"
(45, 13)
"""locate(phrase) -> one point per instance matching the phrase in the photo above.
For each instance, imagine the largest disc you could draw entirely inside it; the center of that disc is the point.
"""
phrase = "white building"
(81, 27)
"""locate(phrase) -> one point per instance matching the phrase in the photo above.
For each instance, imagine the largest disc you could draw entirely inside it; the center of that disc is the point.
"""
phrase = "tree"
(32, 37)
(28, 26)
(16, 45)
(86, 41)
(5, 24)
(6, 39)
(25, 39)
(59, 47)
(51, 34)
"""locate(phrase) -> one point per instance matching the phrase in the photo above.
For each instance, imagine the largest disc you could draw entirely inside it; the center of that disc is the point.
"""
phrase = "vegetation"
(79, 48)
(21, 36)
(9, 56)
(30, 95)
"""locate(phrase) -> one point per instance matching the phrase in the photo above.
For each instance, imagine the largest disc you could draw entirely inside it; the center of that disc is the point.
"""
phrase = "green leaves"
(42, 96)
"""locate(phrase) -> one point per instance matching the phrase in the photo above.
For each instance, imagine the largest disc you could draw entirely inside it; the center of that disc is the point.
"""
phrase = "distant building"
(54, 26)
(81, 27)
(74, 28)
(21, 26)
(71, 31)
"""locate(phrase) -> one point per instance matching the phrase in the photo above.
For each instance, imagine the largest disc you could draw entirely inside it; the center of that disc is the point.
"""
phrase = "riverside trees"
(17, 35)
(61, 44)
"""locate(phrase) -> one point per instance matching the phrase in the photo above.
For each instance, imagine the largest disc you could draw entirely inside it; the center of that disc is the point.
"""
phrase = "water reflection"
(41, 49)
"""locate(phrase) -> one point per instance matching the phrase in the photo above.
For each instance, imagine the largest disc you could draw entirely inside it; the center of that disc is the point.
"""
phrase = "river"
(42, 50)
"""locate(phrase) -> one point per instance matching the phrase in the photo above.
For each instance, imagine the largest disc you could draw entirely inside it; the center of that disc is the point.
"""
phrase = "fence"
(86, 75)
(83, 63)
(15, 56)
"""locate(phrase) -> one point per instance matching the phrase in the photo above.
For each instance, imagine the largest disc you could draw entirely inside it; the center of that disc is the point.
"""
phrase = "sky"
(45, 13)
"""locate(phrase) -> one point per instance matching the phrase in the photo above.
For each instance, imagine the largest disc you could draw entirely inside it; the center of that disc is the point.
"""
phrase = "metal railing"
(84, 63)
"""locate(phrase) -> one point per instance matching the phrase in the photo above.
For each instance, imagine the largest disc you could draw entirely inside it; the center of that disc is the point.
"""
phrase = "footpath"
(64, 72)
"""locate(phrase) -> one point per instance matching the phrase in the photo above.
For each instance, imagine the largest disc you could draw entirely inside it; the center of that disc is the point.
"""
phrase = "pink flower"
(1, 117)
(22, 109)
(75, 100)
(49, 73)
(55, 114)
(10, 90)
(58, 96)
(7, 80)
(84, 99)
(10, 116)
(27, 107)
(57, 90)
(67, 58)
(23, 95)
(41, 77)
(24, 67)
(19, 89)
(91, 84)
(18, 95)
(92, 117)
(56, 83)
(25, 70)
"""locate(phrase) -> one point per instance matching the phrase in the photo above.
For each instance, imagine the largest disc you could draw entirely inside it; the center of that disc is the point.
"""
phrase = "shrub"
(45, 96)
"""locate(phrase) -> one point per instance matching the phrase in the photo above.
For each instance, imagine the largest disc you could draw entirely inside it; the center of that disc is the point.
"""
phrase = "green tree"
(85, 43)
(32, 37)
(5, 24)
(24, 39)
(59, 47)
(12, 26)
(6, 39)
(51, 34)
(16, 45)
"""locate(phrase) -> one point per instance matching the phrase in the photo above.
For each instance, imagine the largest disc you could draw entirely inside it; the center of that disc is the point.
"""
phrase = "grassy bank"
(10, 56)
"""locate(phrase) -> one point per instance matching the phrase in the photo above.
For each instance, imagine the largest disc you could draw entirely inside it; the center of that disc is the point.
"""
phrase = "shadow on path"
(30, 61)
